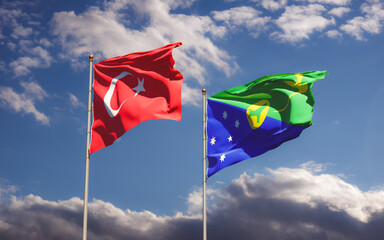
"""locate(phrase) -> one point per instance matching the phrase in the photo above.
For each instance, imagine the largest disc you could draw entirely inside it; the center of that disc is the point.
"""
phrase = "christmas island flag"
(249, 120)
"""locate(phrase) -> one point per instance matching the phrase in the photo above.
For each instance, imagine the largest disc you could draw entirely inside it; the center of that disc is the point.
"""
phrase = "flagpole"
(85, 213)
(204, 164)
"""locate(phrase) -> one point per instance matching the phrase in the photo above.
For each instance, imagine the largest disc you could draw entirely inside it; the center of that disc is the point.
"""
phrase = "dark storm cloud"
(289, 204)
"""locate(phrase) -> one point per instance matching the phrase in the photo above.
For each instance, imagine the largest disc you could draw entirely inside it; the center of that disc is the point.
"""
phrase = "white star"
(230, 139)
(140, 86)
(237, 123)
(222, 157)
(213, 141)
(225, 114)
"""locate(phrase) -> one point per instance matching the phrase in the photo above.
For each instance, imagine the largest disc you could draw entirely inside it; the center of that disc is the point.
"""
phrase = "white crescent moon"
(108, 96)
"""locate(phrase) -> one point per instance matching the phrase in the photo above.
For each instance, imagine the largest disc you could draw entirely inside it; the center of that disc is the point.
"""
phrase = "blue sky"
(147, 185)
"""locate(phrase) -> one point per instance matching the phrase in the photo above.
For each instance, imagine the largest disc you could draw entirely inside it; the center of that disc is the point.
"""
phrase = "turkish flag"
(131, 89)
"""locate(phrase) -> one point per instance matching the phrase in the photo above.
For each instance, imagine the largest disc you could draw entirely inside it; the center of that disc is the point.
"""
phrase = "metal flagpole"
(204, 164)
(85, 213)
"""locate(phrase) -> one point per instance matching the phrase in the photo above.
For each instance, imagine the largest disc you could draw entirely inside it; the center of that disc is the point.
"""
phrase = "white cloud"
(334, 34)
(23, 38)
(33, 90)
(195, 203)
(2, 66)
(25, 45)
(74, 101)
(105, 33)
(24, 102)
(20, 31)
(306, 185)
(325, 189)
(304, 203)
(191, 95)
(22, 65)
(7, 16)
(11, 46)
(40, 58)
(10, 20)
(340, 11)
(6, 190)
(42, 54)
(243, 16)
(45, 42)
(298, 22)
(273, 5)
(63, 219)
(331, 2)
(371, 23)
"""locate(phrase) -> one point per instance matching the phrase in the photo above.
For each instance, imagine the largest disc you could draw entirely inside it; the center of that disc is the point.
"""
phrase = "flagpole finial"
(204, 91)
(91, 57)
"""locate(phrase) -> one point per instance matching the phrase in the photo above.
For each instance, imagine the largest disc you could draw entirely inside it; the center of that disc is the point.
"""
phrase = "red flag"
(131, 89)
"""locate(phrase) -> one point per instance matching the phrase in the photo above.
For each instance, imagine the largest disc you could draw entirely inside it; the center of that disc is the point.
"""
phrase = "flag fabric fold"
(249, 120)
(131, 89)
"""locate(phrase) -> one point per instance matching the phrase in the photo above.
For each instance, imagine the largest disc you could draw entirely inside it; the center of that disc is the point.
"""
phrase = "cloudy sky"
(326, 184)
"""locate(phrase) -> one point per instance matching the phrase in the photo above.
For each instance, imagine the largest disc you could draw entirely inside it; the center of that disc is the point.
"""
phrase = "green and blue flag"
(249, 120)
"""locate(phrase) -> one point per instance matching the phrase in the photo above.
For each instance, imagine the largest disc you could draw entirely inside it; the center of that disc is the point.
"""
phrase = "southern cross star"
(225, 114)
(213, 141)
(237, 123)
